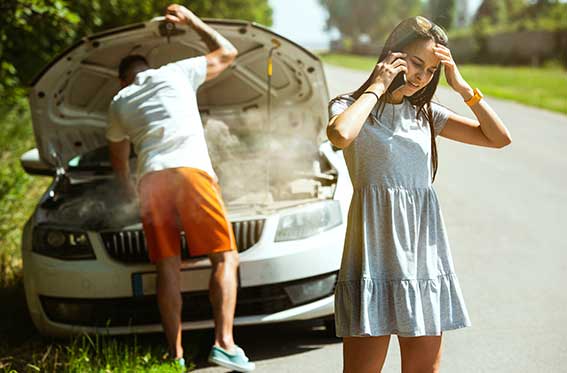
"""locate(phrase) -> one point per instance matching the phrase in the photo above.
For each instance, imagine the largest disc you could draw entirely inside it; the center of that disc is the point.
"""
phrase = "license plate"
(191, 280)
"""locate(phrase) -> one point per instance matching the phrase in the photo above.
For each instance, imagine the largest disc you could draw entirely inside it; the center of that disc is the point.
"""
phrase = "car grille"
(257, 300)
(129, 246)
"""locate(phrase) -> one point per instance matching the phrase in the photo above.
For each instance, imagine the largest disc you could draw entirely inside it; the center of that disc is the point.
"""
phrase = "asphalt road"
(506, 214)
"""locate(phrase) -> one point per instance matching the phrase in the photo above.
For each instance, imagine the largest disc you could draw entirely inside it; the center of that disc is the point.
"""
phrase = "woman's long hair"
(407, 32)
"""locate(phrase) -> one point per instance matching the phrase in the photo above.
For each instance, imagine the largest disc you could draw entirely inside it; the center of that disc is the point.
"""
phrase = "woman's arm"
(345, 127)
(488, 130)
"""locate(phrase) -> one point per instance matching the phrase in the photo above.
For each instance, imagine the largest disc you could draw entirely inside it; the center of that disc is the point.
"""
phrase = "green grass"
(545, 88)
(88, 354)
(23, 350)
(19, 192)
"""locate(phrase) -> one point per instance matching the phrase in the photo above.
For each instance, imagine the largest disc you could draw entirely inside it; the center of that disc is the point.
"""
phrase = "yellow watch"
(475, 98)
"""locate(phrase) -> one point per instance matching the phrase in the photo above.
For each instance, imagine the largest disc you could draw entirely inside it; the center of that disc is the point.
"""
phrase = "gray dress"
(397, 274)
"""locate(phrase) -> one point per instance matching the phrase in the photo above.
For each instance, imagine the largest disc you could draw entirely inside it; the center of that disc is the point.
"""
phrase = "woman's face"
(422, 64)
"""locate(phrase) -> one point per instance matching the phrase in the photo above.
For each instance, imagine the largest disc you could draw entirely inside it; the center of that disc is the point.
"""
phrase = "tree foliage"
(545, 14)
(32, 32)
(442, 12)
(498, 11)
(376, 19)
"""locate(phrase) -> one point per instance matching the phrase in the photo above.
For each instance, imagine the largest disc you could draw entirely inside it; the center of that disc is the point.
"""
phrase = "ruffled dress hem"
(405, 307)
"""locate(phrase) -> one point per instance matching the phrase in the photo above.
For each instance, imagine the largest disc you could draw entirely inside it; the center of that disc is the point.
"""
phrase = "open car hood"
(69, 99)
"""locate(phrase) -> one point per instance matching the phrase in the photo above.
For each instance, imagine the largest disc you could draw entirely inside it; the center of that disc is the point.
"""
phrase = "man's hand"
(119, 155)
(222, 52)
(179, 14)
(130, 190)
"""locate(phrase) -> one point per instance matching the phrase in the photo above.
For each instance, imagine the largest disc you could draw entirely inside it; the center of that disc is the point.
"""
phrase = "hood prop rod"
(275, 45)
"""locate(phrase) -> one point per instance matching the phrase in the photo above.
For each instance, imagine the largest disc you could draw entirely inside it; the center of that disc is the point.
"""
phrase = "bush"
(19, 192)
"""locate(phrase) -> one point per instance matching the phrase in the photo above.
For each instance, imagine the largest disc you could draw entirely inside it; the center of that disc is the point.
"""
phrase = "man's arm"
(119, 155)
(222, 52)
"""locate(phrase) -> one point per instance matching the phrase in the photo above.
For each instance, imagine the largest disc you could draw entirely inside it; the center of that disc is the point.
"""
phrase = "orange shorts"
(183, 198)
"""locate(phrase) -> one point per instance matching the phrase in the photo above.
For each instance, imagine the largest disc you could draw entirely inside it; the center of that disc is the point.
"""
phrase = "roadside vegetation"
(544, 87)
(19, 192)
(87, 354)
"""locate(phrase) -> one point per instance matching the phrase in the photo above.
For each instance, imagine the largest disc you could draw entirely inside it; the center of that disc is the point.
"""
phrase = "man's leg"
(202, 213)
(169, 301)
(222, 294)
(163, 242)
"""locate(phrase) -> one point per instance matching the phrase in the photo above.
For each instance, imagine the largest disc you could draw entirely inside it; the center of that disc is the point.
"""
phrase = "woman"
(397, 275)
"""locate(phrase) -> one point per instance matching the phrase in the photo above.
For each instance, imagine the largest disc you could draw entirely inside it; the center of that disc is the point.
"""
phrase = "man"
(157, 111)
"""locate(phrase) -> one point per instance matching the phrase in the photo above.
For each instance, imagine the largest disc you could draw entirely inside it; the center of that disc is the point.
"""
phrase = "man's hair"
(129, 62)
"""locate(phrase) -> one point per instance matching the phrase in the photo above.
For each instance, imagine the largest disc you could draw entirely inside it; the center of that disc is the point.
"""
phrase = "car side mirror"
(33, 165)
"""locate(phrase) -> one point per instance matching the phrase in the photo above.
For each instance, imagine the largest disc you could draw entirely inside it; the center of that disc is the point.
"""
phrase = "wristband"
(372, 93)
(475, 98)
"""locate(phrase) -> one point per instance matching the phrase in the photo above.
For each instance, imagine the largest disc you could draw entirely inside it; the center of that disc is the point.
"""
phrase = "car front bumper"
(277, 282)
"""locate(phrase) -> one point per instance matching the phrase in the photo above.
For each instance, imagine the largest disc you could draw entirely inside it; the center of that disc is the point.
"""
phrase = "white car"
(286, 189)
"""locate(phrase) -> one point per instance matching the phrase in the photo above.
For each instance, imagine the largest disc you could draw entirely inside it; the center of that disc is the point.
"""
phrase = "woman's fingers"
(401, 68)
(444, 54)
(393, 56)
(386, 70)
(399, 62)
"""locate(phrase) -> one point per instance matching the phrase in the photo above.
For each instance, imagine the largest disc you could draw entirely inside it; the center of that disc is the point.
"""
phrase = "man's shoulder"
(116, 99)
(124, 92)
(195, 63)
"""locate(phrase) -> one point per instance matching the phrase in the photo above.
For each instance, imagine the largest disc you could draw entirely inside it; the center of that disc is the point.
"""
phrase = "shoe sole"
(229, 365)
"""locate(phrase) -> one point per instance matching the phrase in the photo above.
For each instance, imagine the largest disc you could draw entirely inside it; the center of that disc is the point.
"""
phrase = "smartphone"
(398, 81)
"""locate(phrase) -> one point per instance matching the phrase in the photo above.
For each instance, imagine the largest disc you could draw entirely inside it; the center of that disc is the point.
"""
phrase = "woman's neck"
(396, 98)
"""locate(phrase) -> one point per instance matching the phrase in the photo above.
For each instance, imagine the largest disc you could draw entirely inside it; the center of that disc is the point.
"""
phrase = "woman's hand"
(385, 71)
(452, 74)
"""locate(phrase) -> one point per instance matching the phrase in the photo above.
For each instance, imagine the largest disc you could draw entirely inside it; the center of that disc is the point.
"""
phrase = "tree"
(32, 32)
(442, 12)
(500, 12)
(29, 33)
(96, 15)
(354, 18)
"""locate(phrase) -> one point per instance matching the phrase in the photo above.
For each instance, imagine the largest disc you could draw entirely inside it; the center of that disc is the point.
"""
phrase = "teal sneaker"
(235, 360)
(180, 363)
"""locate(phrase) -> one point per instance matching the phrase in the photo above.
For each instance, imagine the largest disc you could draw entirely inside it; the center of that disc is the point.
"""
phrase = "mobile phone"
(398, 81)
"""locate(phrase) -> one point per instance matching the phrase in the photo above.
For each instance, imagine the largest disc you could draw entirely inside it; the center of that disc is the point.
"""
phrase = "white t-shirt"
(158, 113)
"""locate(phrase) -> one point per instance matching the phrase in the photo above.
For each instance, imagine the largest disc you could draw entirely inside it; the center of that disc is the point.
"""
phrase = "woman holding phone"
(397, 275)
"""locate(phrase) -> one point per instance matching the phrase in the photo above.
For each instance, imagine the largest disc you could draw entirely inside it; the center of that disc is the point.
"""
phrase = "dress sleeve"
(115, 131)
(440, 116)
(338, 105)
(195, 69)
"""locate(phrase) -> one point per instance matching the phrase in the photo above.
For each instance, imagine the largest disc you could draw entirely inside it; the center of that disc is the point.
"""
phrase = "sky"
(303, 21)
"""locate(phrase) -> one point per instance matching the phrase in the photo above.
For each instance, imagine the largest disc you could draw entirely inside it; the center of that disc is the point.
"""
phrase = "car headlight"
(313, 219)
(62, 244)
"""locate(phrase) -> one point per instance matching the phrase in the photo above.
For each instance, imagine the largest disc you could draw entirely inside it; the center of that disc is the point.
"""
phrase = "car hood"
(69, 99)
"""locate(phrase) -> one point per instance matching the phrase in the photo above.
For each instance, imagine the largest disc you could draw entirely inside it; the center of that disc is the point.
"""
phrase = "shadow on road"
(263, 342)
